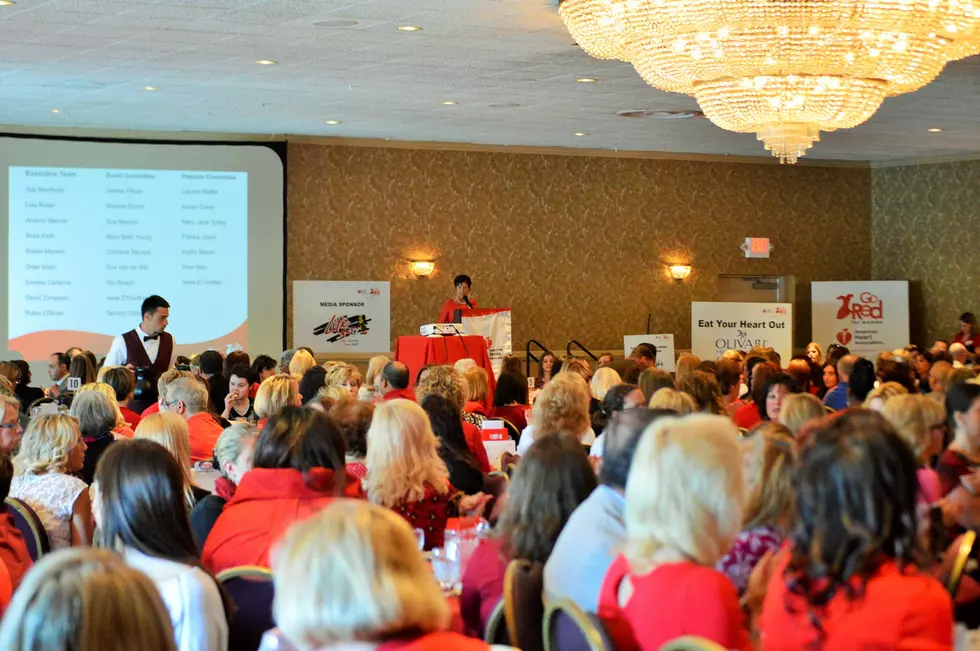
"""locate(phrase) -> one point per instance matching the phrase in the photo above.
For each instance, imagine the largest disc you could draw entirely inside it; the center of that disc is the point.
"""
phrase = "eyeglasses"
(13, 425)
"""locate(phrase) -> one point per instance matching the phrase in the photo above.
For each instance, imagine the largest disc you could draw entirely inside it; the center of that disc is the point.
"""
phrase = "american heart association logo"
(489, 343)
(844, 337)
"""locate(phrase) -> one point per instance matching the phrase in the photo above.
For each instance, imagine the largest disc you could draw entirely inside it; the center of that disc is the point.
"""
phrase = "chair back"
(512, 431)
(30, 527)
(496, 632)
(252, 590)
(524, 604)
(692, 643)
(955, 560)
(569, 628)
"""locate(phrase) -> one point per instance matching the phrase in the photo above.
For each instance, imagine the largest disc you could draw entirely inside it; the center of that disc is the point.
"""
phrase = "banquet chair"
(512, 431)
(29, 525)
(691, 643)
(496, 632)
(251, 588)
(567, 627)
(957, 558)
(829, 409)
(524, 604)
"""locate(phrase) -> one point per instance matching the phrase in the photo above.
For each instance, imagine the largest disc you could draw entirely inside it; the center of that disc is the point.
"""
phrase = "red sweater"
(204, 433)
(474, 441)
(266, 502)
(132, 418)
(152, 409)
(747, 416)
(444, 641)
(450, 306)
(898, 610)
(429, 514)
(13, 549)
(396, 394)
(673, 600)
(483, 585)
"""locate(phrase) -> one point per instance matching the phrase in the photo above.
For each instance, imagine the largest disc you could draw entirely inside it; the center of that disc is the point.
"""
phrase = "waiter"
(460, 300)
(147, 349)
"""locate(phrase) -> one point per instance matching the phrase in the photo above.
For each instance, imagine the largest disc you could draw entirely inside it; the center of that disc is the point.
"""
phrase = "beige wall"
(577, 246)
(926, 228)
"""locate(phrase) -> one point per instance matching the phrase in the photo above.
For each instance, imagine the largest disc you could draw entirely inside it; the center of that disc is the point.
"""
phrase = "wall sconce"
(680, 272)
(422, 268)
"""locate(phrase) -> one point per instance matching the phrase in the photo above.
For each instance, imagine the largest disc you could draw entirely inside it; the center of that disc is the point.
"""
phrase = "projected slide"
(86, 246)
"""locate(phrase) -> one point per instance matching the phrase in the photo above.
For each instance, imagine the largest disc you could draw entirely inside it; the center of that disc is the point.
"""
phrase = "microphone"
(466, 299)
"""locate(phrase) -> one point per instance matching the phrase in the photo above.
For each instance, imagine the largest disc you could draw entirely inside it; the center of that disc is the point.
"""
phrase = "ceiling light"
(56, 110)
(149, 87)
(409, 28)
(7, 3)
(586, 80)
(331, 122)
(935, 130)
(266, 62)
(448, 103)
(579, 134)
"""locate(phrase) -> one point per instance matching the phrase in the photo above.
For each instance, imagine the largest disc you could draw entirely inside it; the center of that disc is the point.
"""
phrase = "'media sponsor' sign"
(868, 317)
(717, 327)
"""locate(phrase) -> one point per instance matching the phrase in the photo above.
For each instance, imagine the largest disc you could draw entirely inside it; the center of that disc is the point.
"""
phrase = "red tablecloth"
(416, 351)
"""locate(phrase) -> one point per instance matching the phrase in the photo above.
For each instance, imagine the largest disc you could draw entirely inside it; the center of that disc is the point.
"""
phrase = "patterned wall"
(926, 228)
(577, 246)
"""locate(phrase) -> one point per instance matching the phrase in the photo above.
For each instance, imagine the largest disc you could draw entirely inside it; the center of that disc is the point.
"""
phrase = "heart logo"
(844, 337)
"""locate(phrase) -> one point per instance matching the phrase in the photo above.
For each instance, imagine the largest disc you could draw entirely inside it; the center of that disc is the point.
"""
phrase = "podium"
(416, 351)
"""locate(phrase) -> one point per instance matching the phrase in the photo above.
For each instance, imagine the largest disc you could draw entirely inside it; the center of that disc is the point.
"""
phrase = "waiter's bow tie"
(148, 337)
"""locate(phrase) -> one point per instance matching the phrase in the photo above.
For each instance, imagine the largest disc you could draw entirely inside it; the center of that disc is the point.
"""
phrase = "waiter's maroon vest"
(136, 354)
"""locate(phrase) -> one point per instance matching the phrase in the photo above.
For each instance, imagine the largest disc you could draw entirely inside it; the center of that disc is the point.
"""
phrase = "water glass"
(446, 568)
(420, 537)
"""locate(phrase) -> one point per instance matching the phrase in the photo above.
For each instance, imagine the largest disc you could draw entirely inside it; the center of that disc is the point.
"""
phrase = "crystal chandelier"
(782, 69)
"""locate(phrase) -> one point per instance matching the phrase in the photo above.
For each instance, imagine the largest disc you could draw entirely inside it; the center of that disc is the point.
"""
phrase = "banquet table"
(417, 351)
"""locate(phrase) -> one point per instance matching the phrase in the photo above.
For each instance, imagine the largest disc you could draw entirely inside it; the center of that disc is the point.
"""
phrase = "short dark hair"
(621, 440)
(462, 278)
(311, 383)
(153, 303)
(959, 398)
(967, 317)
(63, 359)
(396, 374)
(243, 371)
(776, 380)
(263, 363)
(511, 387)
(25, 371)
(122, 381)
(353, 417)
(648, 351)
(862, 379)
(729, 375)
(182, 360)
(210, 362)
(235, 358)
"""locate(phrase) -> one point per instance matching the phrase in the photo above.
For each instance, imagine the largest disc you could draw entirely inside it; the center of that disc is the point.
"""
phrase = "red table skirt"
(416, 351)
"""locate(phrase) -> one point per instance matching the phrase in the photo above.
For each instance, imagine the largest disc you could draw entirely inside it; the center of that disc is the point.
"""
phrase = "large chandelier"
(782, 69)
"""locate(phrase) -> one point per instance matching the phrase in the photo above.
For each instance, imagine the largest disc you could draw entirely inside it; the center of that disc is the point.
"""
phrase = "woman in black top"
(447, 424)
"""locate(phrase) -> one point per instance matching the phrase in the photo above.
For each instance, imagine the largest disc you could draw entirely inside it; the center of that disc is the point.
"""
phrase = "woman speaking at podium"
(460, 300)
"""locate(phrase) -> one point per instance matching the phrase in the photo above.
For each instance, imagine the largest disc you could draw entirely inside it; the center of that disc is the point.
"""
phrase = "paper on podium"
(496, 441)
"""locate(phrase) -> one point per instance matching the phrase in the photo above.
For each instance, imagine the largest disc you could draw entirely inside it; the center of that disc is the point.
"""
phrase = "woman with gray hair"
(96, 416)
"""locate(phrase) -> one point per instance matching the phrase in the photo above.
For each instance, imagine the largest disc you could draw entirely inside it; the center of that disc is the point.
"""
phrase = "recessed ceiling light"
(579, 134)
(586, 80)
(334, 23)
(935, 130)
(409, 28)
(56, 110)
(7, 3)
(448, 103)
(331, 122)
(266, 62)
(149, 87)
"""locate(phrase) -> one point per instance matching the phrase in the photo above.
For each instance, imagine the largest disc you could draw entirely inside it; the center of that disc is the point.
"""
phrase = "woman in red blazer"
(298, 468)
(353, 574)
(849, 578)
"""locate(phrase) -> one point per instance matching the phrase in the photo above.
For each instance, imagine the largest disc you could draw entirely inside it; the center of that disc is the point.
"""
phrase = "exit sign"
(756, 247)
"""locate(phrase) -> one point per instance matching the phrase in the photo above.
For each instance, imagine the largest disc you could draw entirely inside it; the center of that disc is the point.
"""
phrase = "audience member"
(881, 394)
(958, 375)
(562, 407)
(235, 358)
(617, 399)
(511, 364)
(58, 372)
(285, 360)
(704, 388)
(171, 432)
(406, 474)
(163, 383)
(652, 380)
(233, 453)
(645, 356)
(754, 411)
(465, 469)
(123, 383)
(444, 381)
(297, 469)
(850, 577)
(686, 364)
(963, 418)
(603, 380)
(799, 369)
(345, 376)
(578, 366)
(959, 355)
(596, 531)
(24, 391)
(395, 377)
(122, 430)
(10, 428)
(861, 381)
(301, 362)
(551, 481)
(921, 423)
(139, 508)
(814, 353)
(921, 361)
(263, 367)
(51, 451)
(352, 577)
(86, 600)
(212, 367)
(353, 417)
(189, 399)
(546, 370)
(769, 460)
(729, 377)
(275, 394)
(673, 400)
(838, 397)
(798, 409)
(370, 391)
(684, 505)
(96, 417)
(311, 383)
(238, 405)
(477, 395)
(969, 334)
(830, 379)
(510, 400)
(605, 359)
(938, 376)
(14, 557)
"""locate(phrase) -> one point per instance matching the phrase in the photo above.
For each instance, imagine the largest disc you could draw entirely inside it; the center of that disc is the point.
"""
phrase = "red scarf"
(224, 488)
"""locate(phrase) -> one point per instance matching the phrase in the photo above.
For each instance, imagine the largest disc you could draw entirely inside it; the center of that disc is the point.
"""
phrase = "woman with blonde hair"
(562, 407)
(921, 422)
(50, 451)
(879, 396)
(798, 409)
(275, 394)
(686, 364)
(770, 459)
(86, 600)
(579, 366)
(446, 382)
(684, 503)
(122, 430)
(352, 575)
(345, 376)
(605, 378)
(406, 474)
(171, 431)
(705, 390)
(301, 362)
(369, 391)
(477, 395)
(814, 353)
(682, 403)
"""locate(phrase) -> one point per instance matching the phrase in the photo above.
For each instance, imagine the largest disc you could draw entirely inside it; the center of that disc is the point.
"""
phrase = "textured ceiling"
(90, 59)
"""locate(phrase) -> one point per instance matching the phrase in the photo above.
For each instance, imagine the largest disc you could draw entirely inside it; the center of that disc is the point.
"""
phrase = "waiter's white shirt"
(117, 351)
